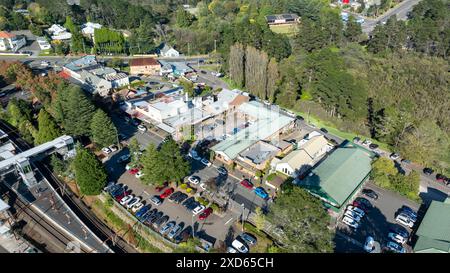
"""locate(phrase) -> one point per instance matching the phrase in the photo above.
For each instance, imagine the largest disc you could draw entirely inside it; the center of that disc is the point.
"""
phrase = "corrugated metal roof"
(338, 176)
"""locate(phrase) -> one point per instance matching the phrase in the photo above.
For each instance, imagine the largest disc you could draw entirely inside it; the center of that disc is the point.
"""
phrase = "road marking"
(226, 223)
(146, 193)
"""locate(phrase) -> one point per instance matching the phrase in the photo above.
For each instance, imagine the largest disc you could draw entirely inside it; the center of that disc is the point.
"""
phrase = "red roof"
(144, 61)
(64, 75)
(6, 35)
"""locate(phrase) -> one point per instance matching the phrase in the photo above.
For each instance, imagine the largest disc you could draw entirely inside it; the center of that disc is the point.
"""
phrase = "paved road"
(2, 250)
(401, 10)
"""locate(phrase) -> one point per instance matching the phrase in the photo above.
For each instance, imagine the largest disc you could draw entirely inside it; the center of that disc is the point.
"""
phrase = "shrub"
(183, 186)
(215, 207)
(189, 190)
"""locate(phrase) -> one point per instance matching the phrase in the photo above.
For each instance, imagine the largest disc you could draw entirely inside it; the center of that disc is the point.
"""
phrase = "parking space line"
(226, 223)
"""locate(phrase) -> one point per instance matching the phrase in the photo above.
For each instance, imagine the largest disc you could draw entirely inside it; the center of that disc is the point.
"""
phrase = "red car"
(166, 193)
(205, 214)
(247, 184)
(163, 186)
(134, 171)
(120, 196)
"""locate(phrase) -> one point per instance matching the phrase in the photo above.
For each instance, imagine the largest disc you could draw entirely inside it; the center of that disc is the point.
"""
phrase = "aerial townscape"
(225, 126)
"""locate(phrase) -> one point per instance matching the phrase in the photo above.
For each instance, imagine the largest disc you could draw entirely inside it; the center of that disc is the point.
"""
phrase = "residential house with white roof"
(169, 52)
(59, 33)
(11, 42)
(43, 43)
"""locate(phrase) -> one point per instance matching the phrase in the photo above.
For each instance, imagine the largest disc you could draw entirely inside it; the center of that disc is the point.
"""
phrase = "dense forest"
(392, 85)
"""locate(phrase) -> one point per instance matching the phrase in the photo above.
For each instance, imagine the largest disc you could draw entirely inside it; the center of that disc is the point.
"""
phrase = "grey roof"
(260, 152)
(87, 62)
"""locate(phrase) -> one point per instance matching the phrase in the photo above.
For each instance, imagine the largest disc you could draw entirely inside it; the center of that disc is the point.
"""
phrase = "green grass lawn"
(263, 241)
(283, 29)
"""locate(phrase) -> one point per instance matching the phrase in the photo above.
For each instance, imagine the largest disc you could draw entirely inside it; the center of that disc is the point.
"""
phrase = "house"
(257, 156)
(299, 161)
(274, 182)
(176, 68)
(266, 124)
(225, 100)
(282, 19)
(145, 66)
(43, 44)
(11, 42)
(89, 28)
(169, 52)
(433, 234)
(59, 33)
(337, 178)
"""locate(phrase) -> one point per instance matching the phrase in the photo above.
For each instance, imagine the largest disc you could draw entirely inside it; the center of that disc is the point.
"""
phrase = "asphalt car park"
(378, 221)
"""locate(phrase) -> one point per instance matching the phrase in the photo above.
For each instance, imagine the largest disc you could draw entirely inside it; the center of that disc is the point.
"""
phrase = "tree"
(272, 79)
(256, 71)
(352, 30)
(259, 218)
(103, 131)
(90, 173)
(188, 87)
(48, 129)
(175, 166)
(135, 150)
(184, 18)
(304, 222)
(152, 166)
(236, 64)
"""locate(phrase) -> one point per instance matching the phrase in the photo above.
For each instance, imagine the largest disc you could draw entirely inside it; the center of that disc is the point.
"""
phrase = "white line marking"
(226, 223)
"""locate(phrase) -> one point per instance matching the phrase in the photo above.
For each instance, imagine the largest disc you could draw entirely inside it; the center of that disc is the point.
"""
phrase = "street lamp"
(242, 217)
(193, 228)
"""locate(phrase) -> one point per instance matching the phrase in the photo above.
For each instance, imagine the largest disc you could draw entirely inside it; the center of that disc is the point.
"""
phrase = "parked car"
(205, 214)
(362, 203)
(188, 201)
(166, 193)
(174, 196)
(248, 238)
(247, 184)
(112, 187)
(156, 200)
(122, 195)
(142, 128)
(194, 155)
(192, 205)
(167, 227)
(194, 179)
(441, 178)
(133, 202)
(140, 213)
(124, 201)
(240, 246)
(395, 247)
(231, 249)
(370, 193)
(161, 221)
(137, 207)
(157, 216)
(404, 220)
(406, 161)
(161, 187)
(369, 245)
(428, 171)
(397, 238)
(205, 161)
(367, 142)
(222, 171)
(181, 198)
(149, 214)
(184, 235)
(394, 156)
(373, 146)
(139, 174)
(133, 171)
(106, 150)
(203, 186)
(124, 158)
(410, 212)
(198, 209)
(113, 148)
(350, 222)
(118, 191)
(324, 130)
(261, 193)
(356, 210)
(352, 215)
(153, 217)
(176, 230)
(356, 139)
(399, 230)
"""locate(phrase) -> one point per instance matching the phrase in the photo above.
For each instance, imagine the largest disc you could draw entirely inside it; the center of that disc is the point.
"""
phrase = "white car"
(205, 162)
(397, 238)
(106, 150)
(222, 171)
(45, 64)
(142, 128)
(350, 222)
(404, 220)
(198, 209)
(133, 202)
(356, 210)
(194, 180)
(239, 246)
(394, 156)
(126, 199)
(367, 142)
(113, 148)
(352, 215)
(231, 250)
(203, 186)
(128, 167)
(139, 174)
(137, 207)
(369, 245)
(194, 155)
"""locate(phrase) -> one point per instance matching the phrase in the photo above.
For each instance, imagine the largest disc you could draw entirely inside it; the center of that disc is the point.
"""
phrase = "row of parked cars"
(241, 243)
(439, 177)
(259, 191)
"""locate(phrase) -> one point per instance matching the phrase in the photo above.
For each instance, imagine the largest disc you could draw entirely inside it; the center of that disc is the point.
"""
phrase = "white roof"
(3, 205)
(56, 29)
(89, 28)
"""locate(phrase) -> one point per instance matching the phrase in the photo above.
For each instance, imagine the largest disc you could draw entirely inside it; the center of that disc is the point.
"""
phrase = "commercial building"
(433, 234)
(11, 42)
(145, 66)
(337, 178)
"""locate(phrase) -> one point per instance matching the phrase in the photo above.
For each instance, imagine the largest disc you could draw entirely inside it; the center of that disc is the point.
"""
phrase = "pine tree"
(352, 30)
(48, 129)
(103, 131)
(90, 174)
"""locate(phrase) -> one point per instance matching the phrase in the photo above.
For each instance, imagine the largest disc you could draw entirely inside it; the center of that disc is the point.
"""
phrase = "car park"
(156, 200)
(124, 201)
(248, 238)
(240, 246)
(161, 221)
(176, 230)
(247, 184)
(404, 220)
(198, 209)
(369, 245)
(396, 238)
(222, 171)
(370, 193)
(261, 192)
(124, 158)
(205, 214)
(106, 150)
(166, 193)
(194, 179)
(392, 246)
(350, 222)
(205, 161)
(167, 227)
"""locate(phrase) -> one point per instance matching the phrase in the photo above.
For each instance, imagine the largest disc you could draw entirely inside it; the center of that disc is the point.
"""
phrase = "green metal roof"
(339, 175)
(434, 231)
